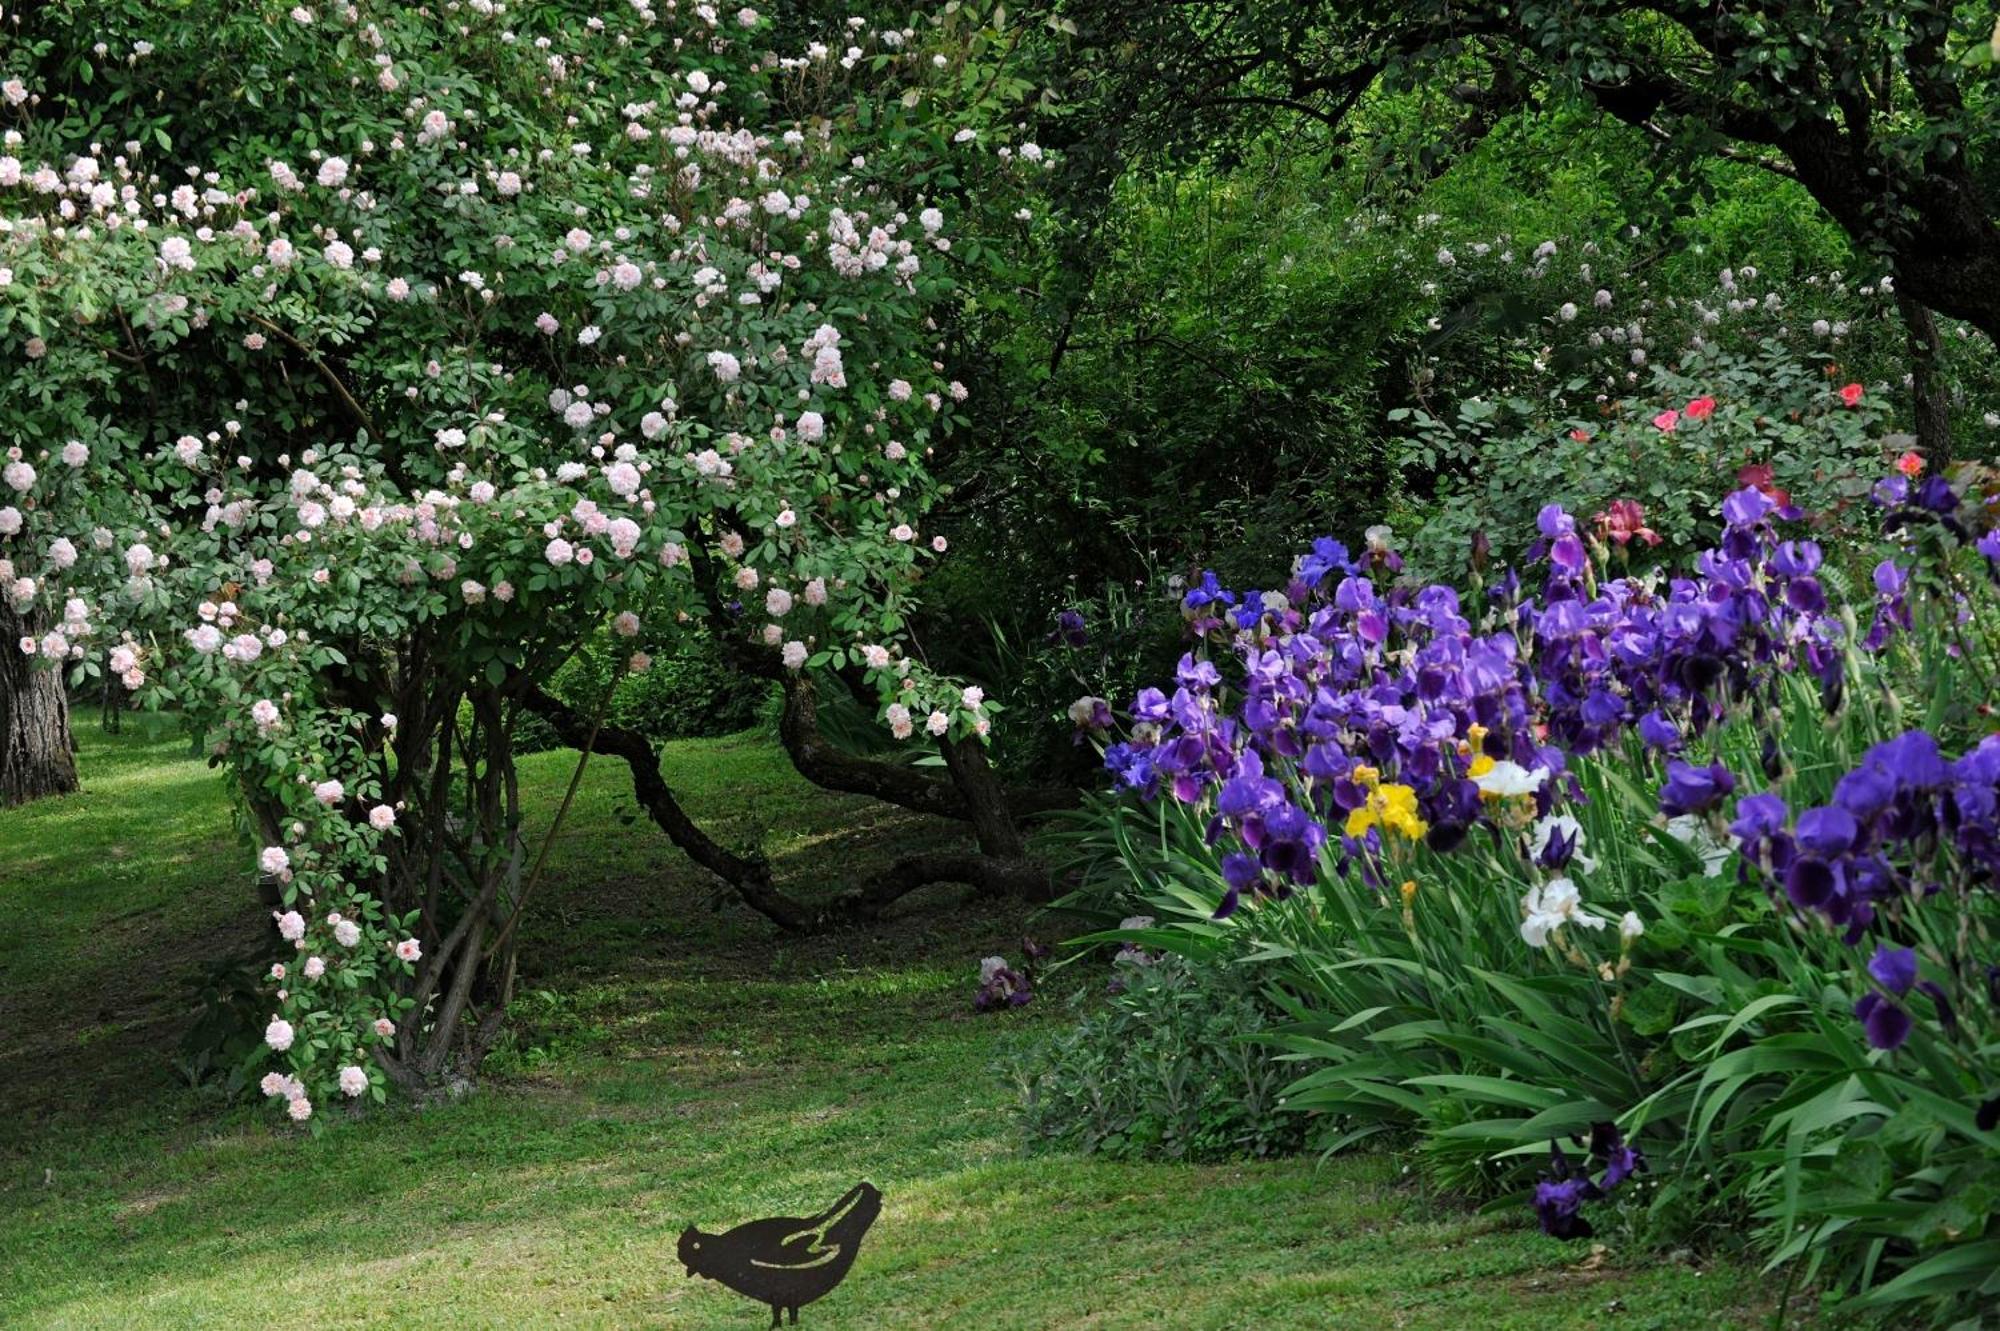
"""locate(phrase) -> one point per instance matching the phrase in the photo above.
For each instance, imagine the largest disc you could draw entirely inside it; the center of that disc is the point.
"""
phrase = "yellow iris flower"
(1391, 807)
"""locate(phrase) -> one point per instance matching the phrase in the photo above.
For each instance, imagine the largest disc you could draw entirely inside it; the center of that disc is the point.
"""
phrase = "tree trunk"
(1931, 401)
(36, 752)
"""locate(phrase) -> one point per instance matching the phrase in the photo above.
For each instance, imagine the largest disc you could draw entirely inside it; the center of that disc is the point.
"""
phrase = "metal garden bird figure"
(785, 1262)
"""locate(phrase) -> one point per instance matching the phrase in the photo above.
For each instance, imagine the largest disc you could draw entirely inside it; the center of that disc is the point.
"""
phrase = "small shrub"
(1170, 1066)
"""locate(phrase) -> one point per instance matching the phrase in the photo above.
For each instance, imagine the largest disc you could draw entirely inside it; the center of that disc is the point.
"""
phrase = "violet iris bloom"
(1691, 789)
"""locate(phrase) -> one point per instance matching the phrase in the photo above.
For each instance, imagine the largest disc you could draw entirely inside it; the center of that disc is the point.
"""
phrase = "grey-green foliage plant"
(1168, 1066)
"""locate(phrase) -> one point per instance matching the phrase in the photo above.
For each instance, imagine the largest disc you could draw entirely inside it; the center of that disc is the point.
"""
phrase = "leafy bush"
(1168, 1066)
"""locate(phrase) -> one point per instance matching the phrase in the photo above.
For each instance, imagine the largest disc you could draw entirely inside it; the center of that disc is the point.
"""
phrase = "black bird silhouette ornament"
(785, 1262)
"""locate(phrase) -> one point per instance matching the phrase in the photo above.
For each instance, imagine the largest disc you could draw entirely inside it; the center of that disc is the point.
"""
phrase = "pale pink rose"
(384, 1027)
(409, 950)
(278, 1034)
(346, 933)
(300, 1109)
(381, 817)
(329, 793)
(353, 1081)
(626, 625)
(291, 927)
(315, 967)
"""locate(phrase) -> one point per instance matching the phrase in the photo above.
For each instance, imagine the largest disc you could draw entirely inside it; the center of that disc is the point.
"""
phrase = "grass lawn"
(675, 1062)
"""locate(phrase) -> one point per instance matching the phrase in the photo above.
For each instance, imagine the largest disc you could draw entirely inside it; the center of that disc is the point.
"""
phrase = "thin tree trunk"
(1932, 401)
(37, 757)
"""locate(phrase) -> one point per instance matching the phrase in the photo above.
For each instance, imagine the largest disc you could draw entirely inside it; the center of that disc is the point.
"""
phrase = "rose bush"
(361, 363)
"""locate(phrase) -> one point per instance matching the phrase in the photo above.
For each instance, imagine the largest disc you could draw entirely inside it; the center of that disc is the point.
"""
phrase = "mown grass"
(670, 1064)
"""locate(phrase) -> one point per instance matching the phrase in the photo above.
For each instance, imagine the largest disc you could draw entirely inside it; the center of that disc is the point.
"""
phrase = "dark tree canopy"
(1882, 111)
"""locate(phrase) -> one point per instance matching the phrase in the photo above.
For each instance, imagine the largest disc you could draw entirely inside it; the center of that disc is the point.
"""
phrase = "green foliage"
(1170, 1065)
(688, 692)
(1504, 459)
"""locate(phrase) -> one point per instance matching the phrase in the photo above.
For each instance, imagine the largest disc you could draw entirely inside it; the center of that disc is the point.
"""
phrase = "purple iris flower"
(1894, 968)
(1249, 792)
(1912, 758)
(1656, 730)
(1691, 789)
(1865, 791)
(1827, 831)
(1327, 556)
(1885, 1023)
(1746, 507)
(1133, 766)
(1241, 873)
(1811, 882)
(1937, 495)
(1291, 842)
(1759, 817)
(1796, 559)
(1559, 1206)
(1207, 592)
(1621, 1161)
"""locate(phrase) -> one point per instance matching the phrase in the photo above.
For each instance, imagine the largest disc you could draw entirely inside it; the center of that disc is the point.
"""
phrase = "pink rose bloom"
(291, 927)
(816, 592)
(640, 663)
(274, 861)
(559, 552)
(794, 655)
(315, 967)
(353, 1081)
(329, 793)
(277, 970)
(777, 601)
(381, 817)
(384, 1027)
(626, 625)
(300, 1109)
(347, 933)
(274, 1083)
(1667, 420)
(409, 950)
(278, 1034)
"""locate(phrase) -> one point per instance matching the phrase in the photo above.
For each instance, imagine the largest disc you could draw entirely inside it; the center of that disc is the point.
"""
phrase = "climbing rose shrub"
(360, 361)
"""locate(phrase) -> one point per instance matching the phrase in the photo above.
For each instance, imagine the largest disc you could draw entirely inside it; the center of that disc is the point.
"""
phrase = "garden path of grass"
(673, 1064)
